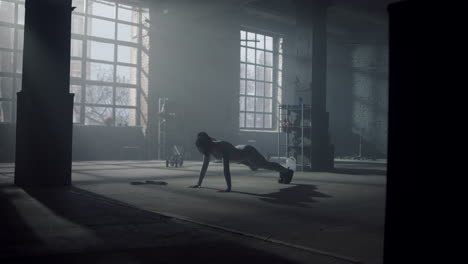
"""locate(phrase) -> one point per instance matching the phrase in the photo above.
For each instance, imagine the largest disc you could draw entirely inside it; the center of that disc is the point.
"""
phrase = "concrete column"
(322, 151)
(45, 106)
(156, 89)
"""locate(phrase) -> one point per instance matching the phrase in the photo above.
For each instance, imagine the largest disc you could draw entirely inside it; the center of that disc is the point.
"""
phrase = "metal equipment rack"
(294, 133)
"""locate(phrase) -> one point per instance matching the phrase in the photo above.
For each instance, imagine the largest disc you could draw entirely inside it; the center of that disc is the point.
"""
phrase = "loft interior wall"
(194, 56)
(357, 81)
(194, 66)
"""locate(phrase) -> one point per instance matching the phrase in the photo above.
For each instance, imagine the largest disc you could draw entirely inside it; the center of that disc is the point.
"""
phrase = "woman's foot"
(286, 177)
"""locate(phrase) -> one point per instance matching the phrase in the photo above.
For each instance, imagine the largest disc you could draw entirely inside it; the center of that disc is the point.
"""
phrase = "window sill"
(257, 131)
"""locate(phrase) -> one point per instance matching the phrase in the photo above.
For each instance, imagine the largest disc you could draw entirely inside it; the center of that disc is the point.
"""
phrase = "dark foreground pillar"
(44, 121)
(423, 133)
(322, 151)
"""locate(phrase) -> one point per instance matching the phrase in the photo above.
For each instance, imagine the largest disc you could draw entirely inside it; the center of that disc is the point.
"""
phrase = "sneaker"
(280, 180)
(286, 177)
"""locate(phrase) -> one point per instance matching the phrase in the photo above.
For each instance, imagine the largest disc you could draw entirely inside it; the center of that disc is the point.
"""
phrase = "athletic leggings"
(252, 158)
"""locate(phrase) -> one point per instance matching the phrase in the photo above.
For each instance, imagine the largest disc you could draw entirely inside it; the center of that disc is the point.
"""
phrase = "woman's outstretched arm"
(206, 161)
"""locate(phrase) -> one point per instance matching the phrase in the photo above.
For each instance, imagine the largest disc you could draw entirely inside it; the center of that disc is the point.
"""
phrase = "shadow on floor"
(206, 253)
(129, 234)
(356, 171)
(15, 229)
(294, 195)
(360, 168)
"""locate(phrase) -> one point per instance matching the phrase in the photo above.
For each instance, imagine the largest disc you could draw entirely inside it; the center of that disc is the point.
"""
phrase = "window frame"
(276, 69)
(84, 81)
(15, 73)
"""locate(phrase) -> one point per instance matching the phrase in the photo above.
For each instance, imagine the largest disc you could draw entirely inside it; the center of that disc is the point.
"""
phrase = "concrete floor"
(319, 218)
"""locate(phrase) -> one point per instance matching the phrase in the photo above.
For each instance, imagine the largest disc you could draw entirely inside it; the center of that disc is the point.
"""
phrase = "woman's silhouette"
(243, 154)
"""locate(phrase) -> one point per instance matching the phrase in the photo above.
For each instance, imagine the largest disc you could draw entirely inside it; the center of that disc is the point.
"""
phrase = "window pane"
(268, 74)
(250, 71)
(77, 24)
(127, 33)
(242, 54)
(280, 48)
(76, 89)
(76, 47)
(251, 104)
(6, 87)
(259, 88)
(20, 14)
(259, 120)
(145, 39)
(268, 90)
(280, 62)
(100, 72)
(79, 4)
(97, 115)
(19, 82)
(242, 119)
(242, 103)
(268, 106)
(242, 70)
(126, 74)
(7, 12)
(6, 61)
(101, 8)
(98, 94)
(260, 73)
(249, 120)
(6, 37)
(20, 39)
(269, 59)
(242, 87)
(251, 39)
(128, 15)
(144, 83)
(267, 121)
(260, 41)
(100, 50)
(280, 78)
(144, 62)
(126, 96)
(243, 37)
(125, 117)
(260, 57)
(259, 104)
(251, 55)
(19, 62)
(127, 54)
(76, 114)
(280, 95)
(250, 87)
(143, 110)
(75, 68)
(268, 43)
(101, 28)
(5, 111)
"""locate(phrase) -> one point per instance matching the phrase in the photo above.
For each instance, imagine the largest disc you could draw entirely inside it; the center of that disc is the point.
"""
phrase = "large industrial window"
(109, 63)
(108, 67)
(11, 56)
(260, 80)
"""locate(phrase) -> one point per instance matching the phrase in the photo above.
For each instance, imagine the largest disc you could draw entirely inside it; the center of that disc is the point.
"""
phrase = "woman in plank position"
(243, 154)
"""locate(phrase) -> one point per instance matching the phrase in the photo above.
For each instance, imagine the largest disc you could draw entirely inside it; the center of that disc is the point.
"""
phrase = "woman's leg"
(254, 159)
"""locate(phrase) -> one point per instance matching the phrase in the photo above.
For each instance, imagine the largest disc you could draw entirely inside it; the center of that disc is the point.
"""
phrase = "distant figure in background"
(243, 154)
